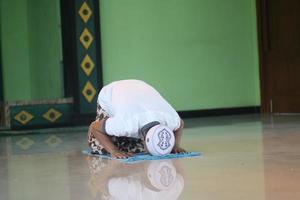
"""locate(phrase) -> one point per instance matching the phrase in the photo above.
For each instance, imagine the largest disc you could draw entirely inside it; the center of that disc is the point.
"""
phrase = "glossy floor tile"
(244, 157)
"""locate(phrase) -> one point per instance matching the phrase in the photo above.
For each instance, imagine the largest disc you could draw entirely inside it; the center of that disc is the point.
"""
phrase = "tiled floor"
(244, 157)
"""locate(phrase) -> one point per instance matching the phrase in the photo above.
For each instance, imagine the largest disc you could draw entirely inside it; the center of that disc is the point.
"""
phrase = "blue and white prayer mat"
(142, 156)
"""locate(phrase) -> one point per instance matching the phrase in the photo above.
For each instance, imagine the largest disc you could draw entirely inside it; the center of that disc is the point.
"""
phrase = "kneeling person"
(132, 117)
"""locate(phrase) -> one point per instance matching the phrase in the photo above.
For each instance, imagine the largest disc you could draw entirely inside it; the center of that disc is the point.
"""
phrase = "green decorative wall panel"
(88, 61)
(40, 115)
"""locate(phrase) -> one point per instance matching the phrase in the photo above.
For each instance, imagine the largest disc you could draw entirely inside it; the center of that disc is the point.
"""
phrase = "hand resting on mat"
(120, 154)
(178, 149)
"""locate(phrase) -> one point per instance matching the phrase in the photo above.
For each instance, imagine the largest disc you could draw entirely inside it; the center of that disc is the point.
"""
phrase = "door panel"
(280, 52)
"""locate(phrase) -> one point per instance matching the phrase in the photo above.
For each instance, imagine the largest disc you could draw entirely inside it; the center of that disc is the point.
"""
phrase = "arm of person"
(96, 128)
(178, 134)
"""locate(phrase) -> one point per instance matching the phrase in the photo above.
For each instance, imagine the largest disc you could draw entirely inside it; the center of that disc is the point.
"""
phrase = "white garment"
(131, 104)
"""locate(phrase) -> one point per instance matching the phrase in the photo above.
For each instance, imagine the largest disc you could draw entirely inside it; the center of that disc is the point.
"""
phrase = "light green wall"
(1, 77)
(45, 49)
(15, 47)
(31, 49)
(198, 53)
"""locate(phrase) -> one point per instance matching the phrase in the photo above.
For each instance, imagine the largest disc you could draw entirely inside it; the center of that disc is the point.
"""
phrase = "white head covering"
(160, 140)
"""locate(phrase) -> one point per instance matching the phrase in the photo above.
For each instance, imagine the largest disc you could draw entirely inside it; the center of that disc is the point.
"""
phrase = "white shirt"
(131, 104)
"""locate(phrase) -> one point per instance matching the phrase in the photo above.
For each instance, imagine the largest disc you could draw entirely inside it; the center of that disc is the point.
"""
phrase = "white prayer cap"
(160, 140)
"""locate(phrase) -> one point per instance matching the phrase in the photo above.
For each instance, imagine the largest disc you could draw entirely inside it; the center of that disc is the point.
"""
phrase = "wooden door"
(279, 38)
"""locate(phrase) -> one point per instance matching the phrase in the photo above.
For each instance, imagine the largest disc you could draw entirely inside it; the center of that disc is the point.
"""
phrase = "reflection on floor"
(244, 157)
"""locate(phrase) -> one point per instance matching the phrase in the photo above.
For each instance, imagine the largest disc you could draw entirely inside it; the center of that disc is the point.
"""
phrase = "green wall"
(198, 53)
(15, 48)
(45, 49)
(1, 77)
(31, 49)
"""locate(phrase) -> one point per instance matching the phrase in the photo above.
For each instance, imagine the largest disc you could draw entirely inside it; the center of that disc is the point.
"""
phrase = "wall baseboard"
(219, 112)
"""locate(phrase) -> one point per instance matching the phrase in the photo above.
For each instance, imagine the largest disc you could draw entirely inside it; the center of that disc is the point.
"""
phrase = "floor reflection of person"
(111, 179)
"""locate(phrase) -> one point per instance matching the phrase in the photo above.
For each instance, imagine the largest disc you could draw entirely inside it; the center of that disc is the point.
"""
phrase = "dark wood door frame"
(279, 52)
(262, 46)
